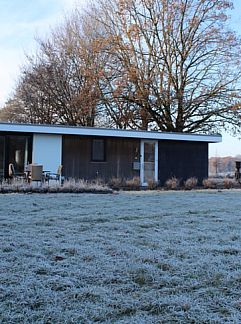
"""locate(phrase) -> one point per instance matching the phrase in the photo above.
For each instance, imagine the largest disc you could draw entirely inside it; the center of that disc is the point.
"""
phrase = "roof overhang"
(107, 132)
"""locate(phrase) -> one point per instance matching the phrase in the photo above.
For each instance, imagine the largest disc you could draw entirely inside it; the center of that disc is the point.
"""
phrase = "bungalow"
(87, 153)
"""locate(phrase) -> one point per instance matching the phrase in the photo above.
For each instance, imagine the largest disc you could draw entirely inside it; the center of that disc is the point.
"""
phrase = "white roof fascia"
(104, 132)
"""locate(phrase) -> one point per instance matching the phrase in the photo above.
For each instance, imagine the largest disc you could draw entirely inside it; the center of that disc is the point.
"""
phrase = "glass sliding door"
(2, 156)
(149, 161)
(18, 152)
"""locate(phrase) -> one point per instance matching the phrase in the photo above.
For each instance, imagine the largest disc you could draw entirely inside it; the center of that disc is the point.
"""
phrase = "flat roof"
(107, 132)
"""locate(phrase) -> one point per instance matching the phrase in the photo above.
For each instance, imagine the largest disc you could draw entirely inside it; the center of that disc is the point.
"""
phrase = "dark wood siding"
(183, 160)
(119, 158)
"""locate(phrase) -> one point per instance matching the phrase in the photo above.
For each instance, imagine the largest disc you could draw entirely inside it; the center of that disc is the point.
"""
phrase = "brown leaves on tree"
(169, 65)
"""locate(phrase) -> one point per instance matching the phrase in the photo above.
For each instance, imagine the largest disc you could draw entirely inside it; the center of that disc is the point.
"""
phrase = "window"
(2, 150)
(18, 152)
(98, 150)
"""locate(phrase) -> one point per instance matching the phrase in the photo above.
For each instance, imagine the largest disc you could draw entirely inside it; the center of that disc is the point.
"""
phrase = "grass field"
(132, 257)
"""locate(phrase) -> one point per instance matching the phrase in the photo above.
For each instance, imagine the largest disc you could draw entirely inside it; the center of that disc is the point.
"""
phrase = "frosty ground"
(132, 257)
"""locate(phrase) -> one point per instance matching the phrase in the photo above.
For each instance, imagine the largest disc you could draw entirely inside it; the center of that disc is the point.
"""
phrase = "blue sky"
(22, 20)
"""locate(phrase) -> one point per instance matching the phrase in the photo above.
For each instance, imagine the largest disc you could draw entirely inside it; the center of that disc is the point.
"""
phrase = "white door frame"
(142, 161)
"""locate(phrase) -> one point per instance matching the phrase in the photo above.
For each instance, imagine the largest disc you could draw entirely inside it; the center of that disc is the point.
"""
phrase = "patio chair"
(55, 176)
(36, 173)
(12, 174)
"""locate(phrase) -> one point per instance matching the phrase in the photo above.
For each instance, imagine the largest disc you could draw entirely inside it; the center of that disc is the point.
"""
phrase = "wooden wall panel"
(120, 154)
(182, 160)
(176, 158)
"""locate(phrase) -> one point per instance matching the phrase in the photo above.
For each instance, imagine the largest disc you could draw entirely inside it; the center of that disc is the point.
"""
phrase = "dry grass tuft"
(209, 183)
(190, 183)
(71, 185)
(133, 183)
(152, 185)
(172, 184)
(228, 183)
(116, 183)
(220, 183)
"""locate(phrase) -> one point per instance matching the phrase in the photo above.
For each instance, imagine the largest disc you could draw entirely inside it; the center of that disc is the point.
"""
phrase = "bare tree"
(169, 65)
(173, 64)
(13, 111)
(59, 84)
(31, 93)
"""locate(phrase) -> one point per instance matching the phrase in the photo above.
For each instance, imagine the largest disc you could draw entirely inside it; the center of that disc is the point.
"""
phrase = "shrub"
(209, 183)
(81, 185)
(152, 184)
(133, 183)
(220, 183)
(228, 183)
(116, 183)
(71, 185)
(172, 183)
(190, 183)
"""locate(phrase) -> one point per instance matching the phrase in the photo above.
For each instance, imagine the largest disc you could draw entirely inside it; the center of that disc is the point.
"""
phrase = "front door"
(149, 162)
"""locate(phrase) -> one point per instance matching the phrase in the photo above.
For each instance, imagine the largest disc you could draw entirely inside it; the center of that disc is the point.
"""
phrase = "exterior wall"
(182, 160)
(179, 158)
(47, 150)
(120, 155)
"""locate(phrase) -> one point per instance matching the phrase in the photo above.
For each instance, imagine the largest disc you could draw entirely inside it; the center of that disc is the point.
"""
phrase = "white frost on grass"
(134, 257)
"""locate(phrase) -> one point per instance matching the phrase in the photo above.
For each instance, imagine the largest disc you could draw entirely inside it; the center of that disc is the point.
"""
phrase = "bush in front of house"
(209, 183)
(152, 185)
(229, 183)
(99, 186)
(14, 185)
(190, 183)
(172, 183)
(81, 185)
(125, 184)
(133, 184)
(220, 183)
(69, 186)
(116, 183)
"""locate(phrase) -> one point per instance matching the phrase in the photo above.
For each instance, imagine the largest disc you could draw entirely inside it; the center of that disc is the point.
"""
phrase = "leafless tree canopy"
(59, 83)
(169, 65)
(176, 65)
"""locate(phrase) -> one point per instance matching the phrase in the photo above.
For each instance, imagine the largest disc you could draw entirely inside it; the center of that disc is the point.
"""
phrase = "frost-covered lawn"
(134, 257)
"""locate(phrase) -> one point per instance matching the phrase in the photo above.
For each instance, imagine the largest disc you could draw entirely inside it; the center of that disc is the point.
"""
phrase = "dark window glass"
(2, 156)
(98, 150)
(18, 152)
